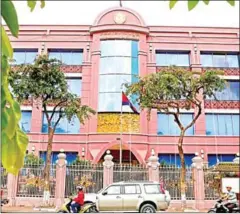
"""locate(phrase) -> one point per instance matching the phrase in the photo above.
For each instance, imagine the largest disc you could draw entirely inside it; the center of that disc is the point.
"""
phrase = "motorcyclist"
(78, 201)
(230, 199)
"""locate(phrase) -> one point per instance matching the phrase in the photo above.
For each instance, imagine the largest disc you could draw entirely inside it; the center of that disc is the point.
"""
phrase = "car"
(143, 197)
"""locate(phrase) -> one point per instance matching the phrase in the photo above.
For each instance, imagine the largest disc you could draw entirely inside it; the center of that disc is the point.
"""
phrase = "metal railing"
(88, 175)
(130, 173)
(211, 184)
(3, 178)
(31, 180)
(170, 178)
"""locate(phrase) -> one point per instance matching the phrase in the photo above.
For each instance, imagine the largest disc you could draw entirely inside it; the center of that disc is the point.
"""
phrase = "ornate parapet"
(71, 68)
(213, 104)
(227, 71)
(64, 68)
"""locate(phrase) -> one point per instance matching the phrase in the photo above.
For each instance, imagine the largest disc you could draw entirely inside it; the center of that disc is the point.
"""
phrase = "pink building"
(115, 49)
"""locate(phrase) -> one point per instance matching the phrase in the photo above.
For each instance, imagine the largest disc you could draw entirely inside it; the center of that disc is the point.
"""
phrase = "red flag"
(126, 102)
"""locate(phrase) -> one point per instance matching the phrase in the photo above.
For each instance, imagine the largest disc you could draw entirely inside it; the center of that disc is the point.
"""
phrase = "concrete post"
(12, 182)
(198, 178)
(153, 168)
(108, 169)
(60, 179)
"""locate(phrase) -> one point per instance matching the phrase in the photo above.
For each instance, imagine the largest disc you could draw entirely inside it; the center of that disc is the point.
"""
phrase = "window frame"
(75, 78)
(124, 185)
(219, 54)
(29, 111)
(25, 51)
(175, 124)
(216, 120)
(116, 93)
(177, 53)
(106, 190)
(67, 50)
(159, 188)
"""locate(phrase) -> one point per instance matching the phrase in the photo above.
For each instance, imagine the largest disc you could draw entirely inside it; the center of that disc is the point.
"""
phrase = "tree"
(14, 140)
(193, 3)
(164, 90)
(44, 81)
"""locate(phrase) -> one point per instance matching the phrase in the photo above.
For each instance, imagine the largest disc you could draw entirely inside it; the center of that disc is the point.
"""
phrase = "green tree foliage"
(31, 159)
(193, 3)
(163, 91)
(14, 141)
(45, 82)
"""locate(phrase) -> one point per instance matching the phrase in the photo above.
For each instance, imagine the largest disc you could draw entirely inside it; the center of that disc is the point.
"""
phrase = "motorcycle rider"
(78, 201)
(230, 199)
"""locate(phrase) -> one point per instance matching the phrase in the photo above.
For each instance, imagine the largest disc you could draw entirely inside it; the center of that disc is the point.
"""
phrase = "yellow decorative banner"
(111, 123)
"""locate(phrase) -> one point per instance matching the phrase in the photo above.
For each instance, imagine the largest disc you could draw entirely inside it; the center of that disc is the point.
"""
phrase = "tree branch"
(195, 118)
(59, 118)
(54, 109)
(47, 116)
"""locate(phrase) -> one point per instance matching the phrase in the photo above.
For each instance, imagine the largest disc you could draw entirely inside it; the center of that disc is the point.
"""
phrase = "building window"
(172, 58)
(24, 56)
(118, 65)
(25, 122)
(219, 60)
(222, 124)
(75, 86)
(66, 56)
(214, 159)
(70, 156)
(63, 127)
(231, 92)
(167, 126)
(174, 159)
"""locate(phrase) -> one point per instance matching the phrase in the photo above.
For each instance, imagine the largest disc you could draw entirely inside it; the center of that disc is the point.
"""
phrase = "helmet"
(79, 187)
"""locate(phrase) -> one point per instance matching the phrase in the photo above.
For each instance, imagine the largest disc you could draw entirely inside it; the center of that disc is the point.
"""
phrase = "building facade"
(116, 49)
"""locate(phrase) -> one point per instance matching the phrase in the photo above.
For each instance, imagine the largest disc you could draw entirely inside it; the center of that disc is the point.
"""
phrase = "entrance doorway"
(127, 156)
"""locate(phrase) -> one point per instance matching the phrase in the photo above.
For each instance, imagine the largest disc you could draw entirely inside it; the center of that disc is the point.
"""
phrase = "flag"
(126, 102)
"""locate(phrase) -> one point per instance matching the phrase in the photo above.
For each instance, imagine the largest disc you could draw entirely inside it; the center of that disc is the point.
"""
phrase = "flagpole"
(121, 134)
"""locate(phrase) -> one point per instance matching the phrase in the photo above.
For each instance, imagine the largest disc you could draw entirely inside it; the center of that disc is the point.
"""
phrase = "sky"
(217, 13)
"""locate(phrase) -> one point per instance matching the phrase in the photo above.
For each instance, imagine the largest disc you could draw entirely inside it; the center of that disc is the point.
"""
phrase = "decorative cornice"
(213, 104)
(119, 35)
(71, 68)
(227, 71)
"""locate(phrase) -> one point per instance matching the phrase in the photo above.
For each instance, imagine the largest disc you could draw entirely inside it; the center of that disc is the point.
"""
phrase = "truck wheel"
(147, 208)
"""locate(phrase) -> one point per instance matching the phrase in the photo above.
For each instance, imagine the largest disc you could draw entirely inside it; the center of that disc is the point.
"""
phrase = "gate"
(129, 173)
(31, 180)
(88, 175)
(170, 178)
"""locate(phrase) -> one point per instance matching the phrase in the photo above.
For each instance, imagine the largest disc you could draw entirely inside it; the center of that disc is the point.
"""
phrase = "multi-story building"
(118, 46)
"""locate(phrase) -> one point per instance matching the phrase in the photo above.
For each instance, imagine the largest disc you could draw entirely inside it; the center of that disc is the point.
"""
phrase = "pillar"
(108, 169)
(153, 168)
(198, 178)
(12, 181)
(60, 179)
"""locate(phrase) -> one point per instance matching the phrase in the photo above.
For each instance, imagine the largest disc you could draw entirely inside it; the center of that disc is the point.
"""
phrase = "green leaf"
(9, 14)
(192, 4)
(231, 2)
(14, 148)
(172, 3)
(31, 4)
(206, 1)
(6, 45)
(42, 3)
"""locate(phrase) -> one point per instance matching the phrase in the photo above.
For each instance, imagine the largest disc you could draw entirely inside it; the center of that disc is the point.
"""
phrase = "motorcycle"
(219, 208)
(4, 201)
(88, 207)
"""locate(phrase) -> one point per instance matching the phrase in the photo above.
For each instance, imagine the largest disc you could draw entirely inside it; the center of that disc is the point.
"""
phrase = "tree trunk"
(183, 170)
(46, 196)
